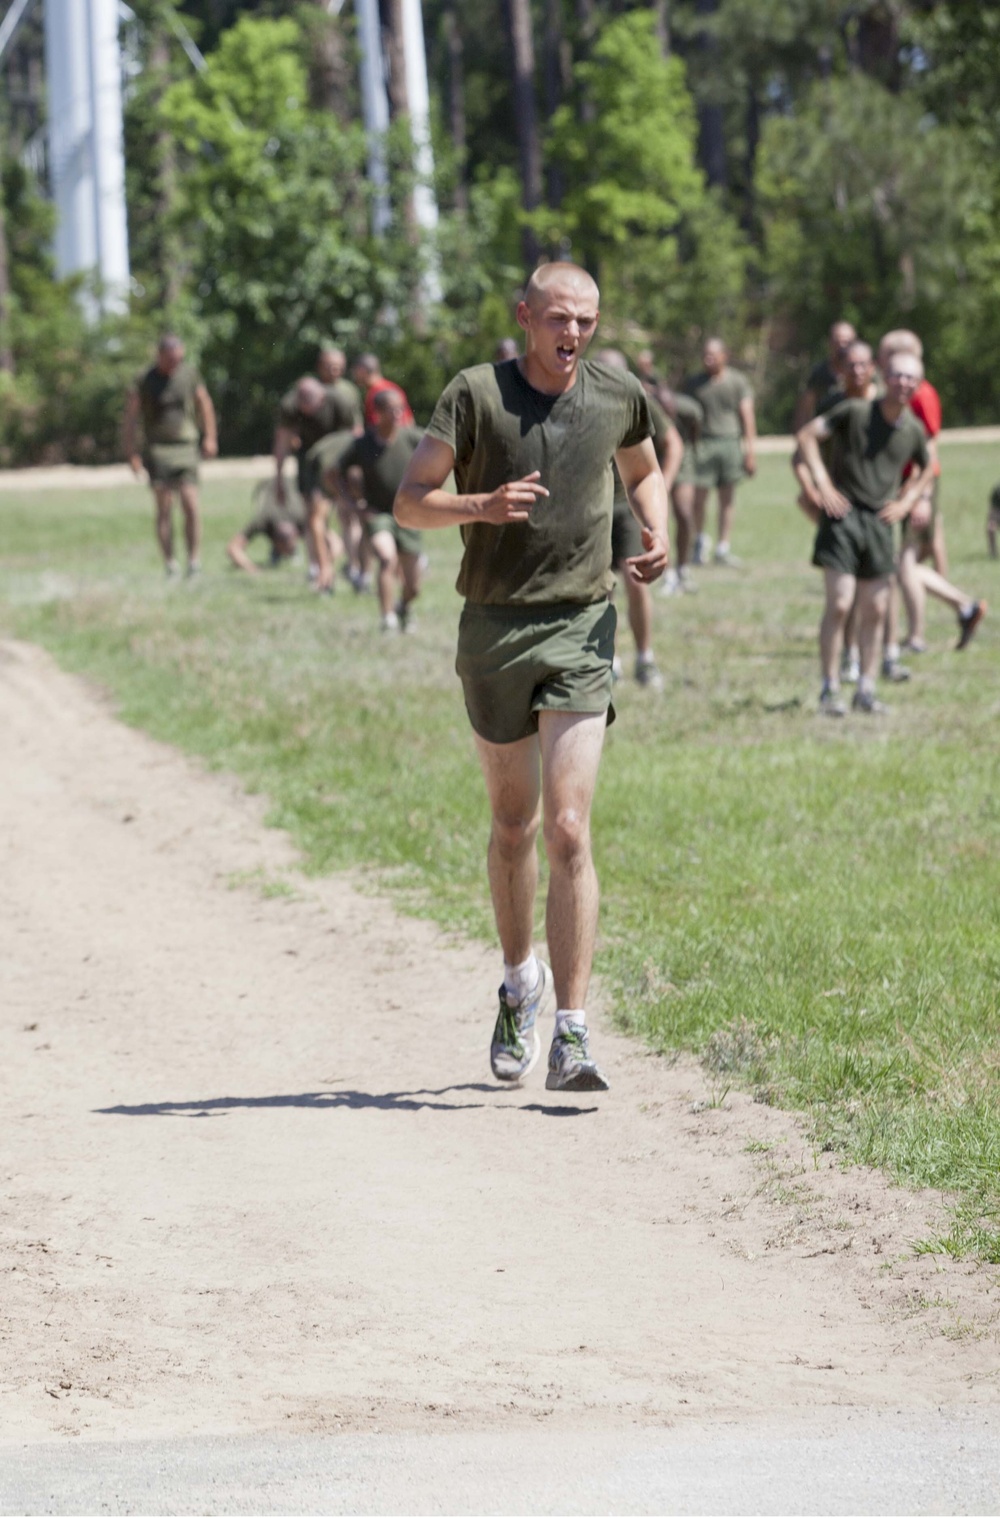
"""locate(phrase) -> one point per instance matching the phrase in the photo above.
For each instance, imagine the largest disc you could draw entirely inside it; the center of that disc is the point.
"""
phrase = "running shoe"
(617, 669)
(389, 623)
(968, 622)
(570, 1065)
(515, 1047)
(172, 569)
(830, 704)
(893, 671)
(193, 570)
(702, 548)
(647, 674)
(866, 701)
(688, 583)
(405, 617)
(724, 555)
(670, 584)
(850, 668)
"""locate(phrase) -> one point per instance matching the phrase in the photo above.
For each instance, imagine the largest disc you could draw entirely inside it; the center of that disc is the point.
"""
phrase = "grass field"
(813, 907)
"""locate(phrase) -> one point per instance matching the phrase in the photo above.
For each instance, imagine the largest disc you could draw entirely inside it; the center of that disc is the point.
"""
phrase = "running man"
(626, 534)
(176, 410)
(532, 443)
(861, 501)
(308, 413)
(687, 417)
(724, 452)
(828, 379)
(381, 455)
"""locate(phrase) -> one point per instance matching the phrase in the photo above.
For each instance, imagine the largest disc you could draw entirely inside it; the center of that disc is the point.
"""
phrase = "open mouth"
(565, 354)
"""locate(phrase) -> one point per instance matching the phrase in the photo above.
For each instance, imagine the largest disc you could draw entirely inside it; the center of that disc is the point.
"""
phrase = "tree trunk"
(456, 102)
(661, 13)
(555, 82)
(329, 77)
(6, 352)
(586, 25)
(711, 121)
(170, 256)
(749, 217)
(517, 15)
(397, 61)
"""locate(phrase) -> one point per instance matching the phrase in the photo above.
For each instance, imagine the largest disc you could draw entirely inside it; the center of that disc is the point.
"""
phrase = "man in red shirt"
(923, 531)
(367, 374)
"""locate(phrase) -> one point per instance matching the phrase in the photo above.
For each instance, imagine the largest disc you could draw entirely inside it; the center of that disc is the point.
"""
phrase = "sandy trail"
(256, 1175)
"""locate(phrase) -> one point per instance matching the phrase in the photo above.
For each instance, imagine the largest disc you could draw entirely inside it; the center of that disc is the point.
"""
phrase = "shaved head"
(309, 395)
(900, 340)
(562, 276)
(905, 362)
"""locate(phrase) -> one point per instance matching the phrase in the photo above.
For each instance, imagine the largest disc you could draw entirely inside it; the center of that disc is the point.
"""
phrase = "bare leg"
(571, 746)
(318, 539)
(640, 615)
(163, 495)
(383, 546)
(683, 503)
(727, 508)
(352, 533)
(513, 785)
(939, 552)
(890, 633)
(936, 585)
(912, 585)
(840, 592)
(873, 601)
(409, 567)
(192, 522)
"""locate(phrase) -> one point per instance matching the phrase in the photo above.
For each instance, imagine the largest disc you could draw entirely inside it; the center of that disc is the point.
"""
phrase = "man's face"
(388, 412)
(860, 369)
(330, 366)
(560, 322)
(713, 358)
(903, 375)
(170, 357)
(842, 335)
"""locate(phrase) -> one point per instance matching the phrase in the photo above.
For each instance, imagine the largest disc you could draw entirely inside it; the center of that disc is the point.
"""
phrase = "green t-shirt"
(340, 411)
(326, 454)
(269, 518)
(870, 455)
(689, 417)
(719, 397)
(501, 429)
(167, 403)
(661, 425)
(382, 464)
(826, 385)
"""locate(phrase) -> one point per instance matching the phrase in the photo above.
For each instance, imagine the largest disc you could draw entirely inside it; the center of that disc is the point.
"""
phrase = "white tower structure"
(86, 152)
(374, 106)
(424, 200)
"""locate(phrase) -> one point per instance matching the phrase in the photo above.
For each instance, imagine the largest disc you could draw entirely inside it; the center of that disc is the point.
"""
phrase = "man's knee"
(513, 835)
(567, 837)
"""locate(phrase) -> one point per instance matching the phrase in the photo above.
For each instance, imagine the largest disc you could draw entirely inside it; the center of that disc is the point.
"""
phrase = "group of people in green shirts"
(523, 455)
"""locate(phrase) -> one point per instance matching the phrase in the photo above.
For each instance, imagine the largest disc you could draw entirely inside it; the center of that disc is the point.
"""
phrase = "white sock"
(831, 687)
(578, 1016)
(644, 656)
(967, 609)
(866, 686)
(520, 980)
(891, 653)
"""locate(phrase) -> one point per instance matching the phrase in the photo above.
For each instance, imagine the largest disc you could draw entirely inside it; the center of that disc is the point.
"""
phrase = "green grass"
(813, 907)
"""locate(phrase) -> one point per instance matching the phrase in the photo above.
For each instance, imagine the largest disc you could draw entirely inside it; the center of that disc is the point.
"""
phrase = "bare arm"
(805, 409)
(830, 499)
(130, 431)
(421, 502)
(207, 423)
(673, 454)
(647, 496)
(284, 442)
(236, 548)
(748, 421)
(917, 486)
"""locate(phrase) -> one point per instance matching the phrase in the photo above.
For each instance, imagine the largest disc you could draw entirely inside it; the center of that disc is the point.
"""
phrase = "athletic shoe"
(689, 585)
(896, 673)
(830, 704)
(850, 668)
(670, 584)
(193, 570)
(570, 1065)
(702, 548)
(389, 623)
(647, 674)
(404, 617)
(914, 646)
(617, 669)
(866, 701)
(968, 622)
(723, 555)
(172, 569)
(515, 1047)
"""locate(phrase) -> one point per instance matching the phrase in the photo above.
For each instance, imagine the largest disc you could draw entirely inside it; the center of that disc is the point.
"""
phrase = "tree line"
(752, 167)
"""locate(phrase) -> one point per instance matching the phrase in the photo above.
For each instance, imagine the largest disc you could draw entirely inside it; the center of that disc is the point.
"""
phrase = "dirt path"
(256, 1176)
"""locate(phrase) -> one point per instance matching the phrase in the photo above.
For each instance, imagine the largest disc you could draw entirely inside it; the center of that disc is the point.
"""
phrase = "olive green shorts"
(626, 535)
(172, 463)
(408, 539)
(687, 474)
(858, 544)
(718, 461)
(515, 662)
